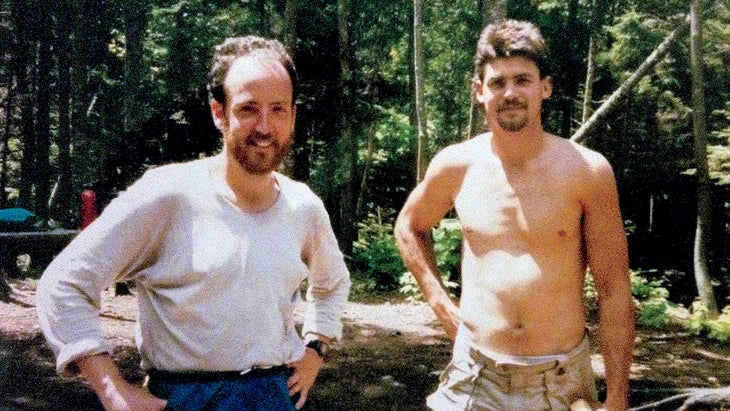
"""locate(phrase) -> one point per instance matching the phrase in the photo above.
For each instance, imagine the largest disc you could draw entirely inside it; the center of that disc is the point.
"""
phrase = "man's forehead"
(252, 68)
(510, 67)
(259, 72)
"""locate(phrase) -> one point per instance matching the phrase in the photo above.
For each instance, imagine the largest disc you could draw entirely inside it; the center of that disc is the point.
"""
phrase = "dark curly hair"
(510, 38)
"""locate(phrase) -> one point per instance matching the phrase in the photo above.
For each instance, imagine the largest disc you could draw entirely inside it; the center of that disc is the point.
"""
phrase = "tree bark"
(346, 107)
(42, 173)
(491, 11)
(62, 209)
(135, 21)
(597, 12)
(613, 101)
(4, 144)
(570, 88)
(704, 201)
(418, 69)
(23, 66)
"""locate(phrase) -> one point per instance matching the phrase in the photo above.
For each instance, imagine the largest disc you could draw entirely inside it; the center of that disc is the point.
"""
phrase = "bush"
(650, 298)
(652, 301)
(447, 248)
(716, 329)
(376, 261)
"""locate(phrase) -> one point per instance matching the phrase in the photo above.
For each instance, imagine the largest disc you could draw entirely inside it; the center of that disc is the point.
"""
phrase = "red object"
(88, 207)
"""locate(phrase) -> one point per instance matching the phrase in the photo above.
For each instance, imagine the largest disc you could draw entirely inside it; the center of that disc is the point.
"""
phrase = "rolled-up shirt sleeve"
(111, 249)
(329, 280)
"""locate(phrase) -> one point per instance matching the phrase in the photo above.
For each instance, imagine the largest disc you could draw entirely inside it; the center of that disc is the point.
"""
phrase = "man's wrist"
(319, 346)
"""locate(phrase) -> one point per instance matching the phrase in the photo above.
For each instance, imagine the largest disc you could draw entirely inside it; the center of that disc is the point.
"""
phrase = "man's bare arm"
(426, 206)
(114, 392)
(607, 255)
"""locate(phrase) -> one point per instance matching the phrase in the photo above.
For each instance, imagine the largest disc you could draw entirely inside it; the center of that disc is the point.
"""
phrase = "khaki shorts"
(474, 381)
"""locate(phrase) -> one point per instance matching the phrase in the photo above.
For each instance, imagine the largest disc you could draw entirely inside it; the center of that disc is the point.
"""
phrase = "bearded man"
(218, 248)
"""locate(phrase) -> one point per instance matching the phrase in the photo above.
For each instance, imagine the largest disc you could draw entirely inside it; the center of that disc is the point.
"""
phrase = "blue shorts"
(264, 390)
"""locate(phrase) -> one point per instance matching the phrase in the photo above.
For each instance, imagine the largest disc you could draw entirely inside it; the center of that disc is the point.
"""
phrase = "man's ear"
(547, 87)
(478, 88)
(218, 112)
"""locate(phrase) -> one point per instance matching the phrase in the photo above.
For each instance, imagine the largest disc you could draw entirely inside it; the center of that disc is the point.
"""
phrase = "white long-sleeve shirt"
(216, 286)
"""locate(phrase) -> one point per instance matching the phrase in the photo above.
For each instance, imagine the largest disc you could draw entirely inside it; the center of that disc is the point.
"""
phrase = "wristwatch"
(321, 348)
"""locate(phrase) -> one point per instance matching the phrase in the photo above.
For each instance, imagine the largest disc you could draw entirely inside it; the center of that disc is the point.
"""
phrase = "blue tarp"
(17, 219)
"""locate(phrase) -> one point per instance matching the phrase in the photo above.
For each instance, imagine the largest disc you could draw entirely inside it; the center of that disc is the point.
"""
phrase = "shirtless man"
(536, 210)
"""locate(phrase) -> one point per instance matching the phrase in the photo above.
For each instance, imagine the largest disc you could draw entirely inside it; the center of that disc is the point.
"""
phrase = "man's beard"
(512, 123)
(259, 160)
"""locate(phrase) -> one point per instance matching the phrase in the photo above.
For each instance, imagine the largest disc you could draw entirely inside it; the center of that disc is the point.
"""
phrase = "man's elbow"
(402, 228)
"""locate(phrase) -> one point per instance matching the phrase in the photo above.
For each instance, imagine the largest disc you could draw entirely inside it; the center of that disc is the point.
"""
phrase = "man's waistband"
(508, 367)
(213, 376)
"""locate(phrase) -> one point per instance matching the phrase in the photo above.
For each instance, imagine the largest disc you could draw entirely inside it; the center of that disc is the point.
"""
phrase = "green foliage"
(716, 329)
(377, 265)
(650, 297)
(447, 248)
(376, 261)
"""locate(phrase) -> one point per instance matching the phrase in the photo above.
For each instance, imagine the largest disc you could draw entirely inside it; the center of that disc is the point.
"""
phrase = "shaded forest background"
(93, 93)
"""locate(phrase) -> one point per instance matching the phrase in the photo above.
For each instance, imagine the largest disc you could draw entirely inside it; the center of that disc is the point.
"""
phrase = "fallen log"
(692, 398)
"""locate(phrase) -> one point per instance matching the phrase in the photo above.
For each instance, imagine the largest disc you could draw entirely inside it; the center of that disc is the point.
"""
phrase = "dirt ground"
(390, 359)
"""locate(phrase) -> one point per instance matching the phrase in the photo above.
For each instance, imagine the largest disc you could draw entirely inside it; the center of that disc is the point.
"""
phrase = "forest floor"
(389, 359)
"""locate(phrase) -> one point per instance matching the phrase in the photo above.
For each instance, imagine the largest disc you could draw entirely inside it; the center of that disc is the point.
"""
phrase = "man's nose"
(509, 89)
(263, 125)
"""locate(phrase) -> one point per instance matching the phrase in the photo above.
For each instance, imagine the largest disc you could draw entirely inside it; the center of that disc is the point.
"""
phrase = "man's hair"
(509, 38)
(233, 48)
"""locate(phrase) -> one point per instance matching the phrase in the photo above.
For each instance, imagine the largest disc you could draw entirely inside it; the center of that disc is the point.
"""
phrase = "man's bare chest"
(538, 207)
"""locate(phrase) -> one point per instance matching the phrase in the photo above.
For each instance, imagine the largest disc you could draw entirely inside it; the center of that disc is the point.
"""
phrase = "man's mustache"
(512, 103)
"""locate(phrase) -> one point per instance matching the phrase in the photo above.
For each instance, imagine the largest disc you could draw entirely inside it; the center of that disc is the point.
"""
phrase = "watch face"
(319, 347)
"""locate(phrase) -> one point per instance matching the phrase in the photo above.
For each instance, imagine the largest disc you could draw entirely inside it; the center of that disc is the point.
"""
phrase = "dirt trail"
(389, 359)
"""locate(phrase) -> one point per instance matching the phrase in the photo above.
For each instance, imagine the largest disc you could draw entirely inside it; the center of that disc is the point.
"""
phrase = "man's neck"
(253, 193)
(518, 148)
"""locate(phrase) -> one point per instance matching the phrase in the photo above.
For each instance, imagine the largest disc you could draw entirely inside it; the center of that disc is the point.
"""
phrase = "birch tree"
(699, 129)
(418, 77)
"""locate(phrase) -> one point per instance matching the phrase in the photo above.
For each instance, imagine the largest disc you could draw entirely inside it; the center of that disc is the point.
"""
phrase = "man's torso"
(523, 265)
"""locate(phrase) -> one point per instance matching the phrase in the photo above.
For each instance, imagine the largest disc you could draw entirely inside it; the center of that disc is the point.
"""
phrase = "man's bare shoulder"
(582, 158)
(458, 156)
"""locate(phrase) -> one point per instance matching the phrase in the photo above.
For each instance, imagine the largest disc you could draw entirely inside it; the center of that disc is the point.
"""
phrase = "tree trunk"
(301, 150)
(613, 101)
(491, 11)
(418, 69)
(4, 144)
(704, 208)
(23, 66)
(365, 171)
(43, 115)
(290, 17)
(570, 88)
(135, 22)
(64, 205)
(597, 12)
(349, 142)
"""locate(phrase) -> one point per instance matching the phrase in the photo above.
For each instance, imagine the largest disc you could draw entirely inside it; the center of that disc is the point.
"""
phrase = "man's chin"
(512, 125)
(257, 168)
